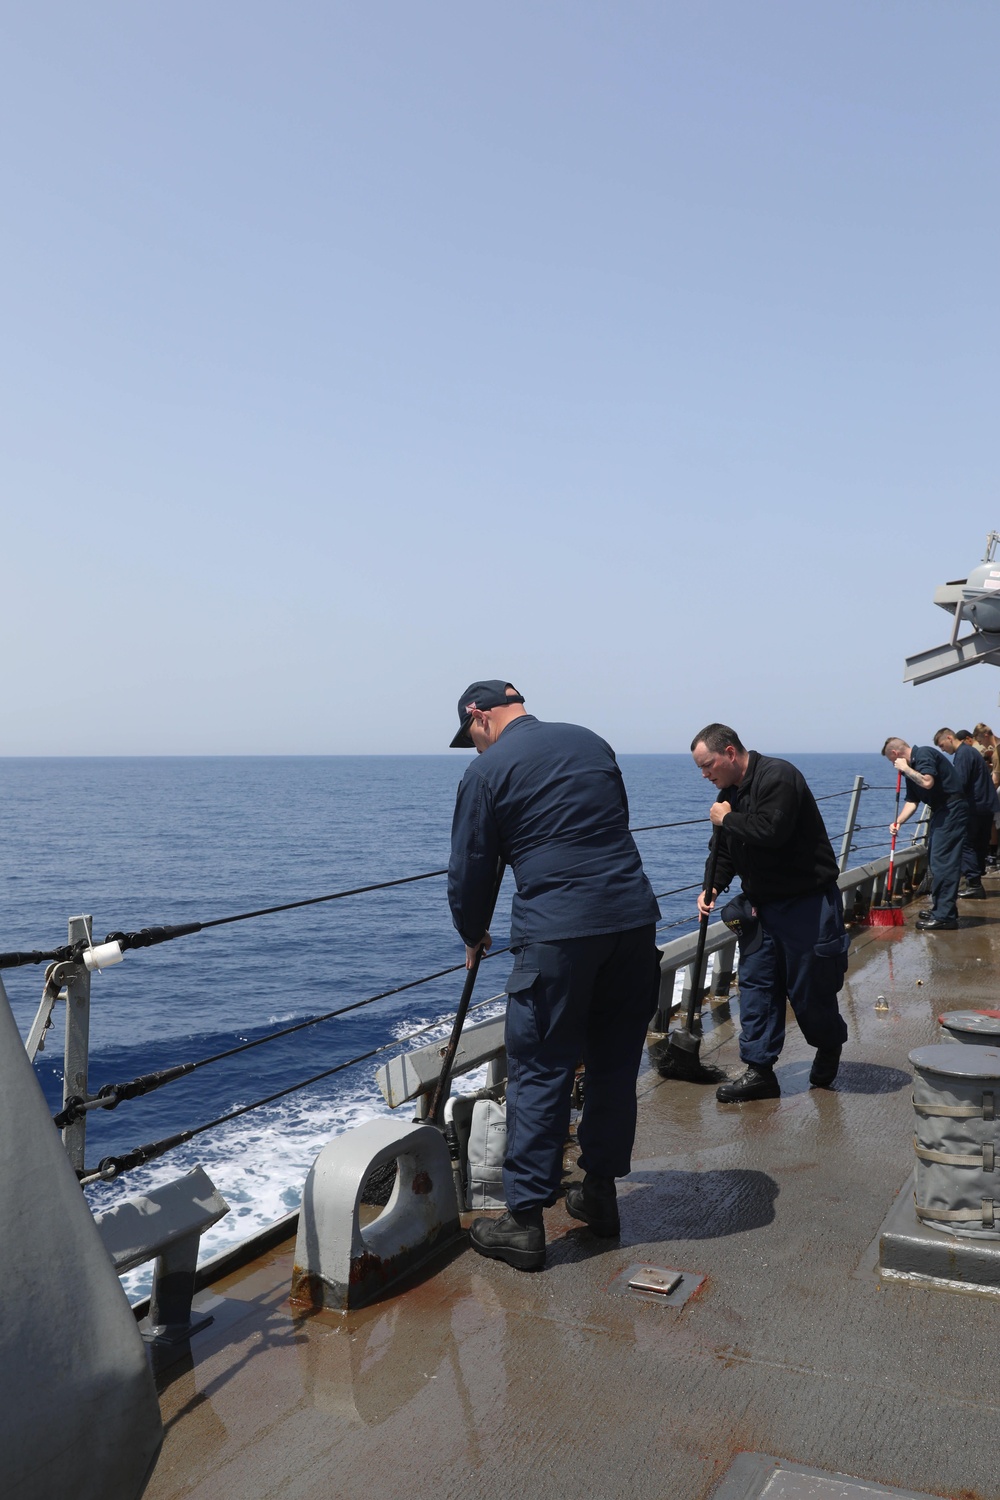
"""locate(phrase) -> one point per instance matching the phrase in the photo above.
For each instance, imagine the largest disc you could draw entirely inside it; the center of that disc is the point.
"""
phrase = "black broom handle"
(444, 1078)
(694, 999)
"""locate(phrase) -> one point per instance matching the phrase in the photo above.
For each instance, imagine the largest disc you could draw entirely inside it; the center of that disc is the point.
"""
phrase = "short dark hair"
(716, 737)
(941, 734)
(963, 734)
(892, 739)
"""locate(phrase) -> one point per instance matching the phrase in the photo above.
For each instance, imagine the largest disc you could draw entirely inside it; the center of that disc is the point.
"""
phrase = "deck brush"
(679, 1057)
(885, 914)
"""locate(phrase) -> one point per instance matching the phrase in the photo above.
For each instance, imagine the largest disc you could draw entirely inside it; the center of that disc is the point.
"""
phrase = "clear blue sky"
(643, 353)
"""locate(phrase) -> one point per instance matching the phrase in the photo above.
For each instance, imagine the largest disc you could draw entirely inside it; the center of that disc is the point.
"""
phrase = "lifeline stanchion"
(436, 1109)
(680, 1057)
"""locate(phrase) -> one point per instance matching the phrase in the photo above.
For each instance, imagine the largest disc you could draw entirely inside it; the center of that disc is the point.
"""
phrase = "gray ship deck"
(484, 1381)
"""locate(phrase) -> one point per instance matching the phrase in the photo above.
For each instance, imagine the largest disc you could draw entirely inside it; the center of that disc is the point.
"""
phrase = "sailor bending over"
(930, 779)
(548, 800)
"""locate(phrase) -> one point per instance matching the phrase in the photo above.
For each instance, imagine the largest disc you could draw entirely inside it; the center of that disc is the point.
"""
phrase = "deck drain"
(756, 1476)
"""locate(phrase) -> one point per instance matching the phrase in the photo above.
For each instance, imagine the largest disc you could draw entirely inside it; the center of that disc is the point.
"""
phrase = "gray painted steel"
(78, 1409)
(945, 1061)
(77, 1049)
(141, 1227)
(972, 1026)
(417, 1072)
(757, 1476)
(906, 1247)
(340, 1264)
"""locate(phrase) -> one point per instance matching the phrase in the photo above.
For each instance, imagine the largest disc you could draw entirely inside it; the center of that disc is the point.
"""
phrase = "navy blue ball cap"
(740, 916)
(492, 694)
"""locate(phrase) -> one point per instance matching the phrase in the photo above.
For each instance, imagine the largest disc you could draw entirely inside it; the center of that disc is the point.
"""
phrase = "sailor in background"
(790, 917)
(931, 779)
(549, 800)
(981, 799)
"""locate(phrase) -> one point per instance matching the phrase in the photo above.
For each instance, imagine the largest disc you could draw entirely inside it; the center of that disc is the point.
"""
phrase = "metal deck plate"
(757, 1476)
(641, 1280)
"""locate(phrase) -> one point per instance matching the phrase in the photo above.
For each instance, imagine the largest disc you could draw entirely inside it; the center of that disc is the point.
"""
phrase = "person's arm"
(724, 868)
(909, 808)
(770, 822)
(919, 778)
(472, 869)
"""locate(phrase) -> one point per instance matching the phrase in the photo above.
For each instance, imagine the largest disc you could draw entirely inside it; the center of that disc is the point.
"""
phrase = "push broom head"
(884, 916)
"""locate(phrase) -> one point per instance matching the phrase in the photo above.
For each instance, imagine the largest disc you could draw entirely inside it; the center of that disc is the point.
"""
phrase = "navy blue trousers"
(977, 844)
(589, 998)
(803, 956)
(948, 827)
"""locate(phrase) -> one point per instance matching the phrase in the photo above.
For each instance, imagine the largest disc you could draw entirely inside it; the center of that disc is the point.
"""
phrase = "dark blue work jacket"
(549, 800)
(930, 761)
(977, 783)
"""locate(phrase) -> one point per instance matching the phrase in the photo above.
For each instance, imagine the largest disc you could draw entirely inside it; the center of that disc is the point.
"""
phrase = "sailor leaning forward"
(792, 937)
(549, 800)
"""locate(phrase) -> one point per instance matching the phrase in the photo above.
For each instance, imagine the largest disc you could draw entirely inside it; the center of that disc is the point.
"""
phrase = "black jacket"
(774, 838)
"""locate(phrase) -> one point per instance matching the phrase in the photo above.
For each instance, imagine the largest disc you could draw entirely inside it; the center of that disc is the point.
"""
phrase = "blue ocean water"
(140, 842)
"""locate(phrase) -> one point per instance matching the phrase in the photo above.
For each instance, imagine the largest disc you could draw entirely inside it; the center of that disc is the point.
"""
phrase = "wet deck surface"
(489, 1382)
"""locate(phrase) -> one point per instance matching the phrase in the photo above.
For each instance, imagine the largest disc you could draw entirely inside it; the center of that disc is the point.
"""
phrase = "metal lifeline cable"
(148, 937)
(113, 1094)
(110, 1167)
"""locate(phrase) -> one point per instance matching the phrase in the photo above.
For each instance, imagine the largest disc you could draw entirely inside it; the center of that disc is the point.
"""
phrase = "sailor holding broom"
(790, 917)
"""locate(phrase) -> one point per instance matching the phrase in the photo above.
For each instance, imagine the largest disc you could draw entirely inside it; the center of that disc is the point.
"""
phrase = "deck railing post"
(852, 818)
(77, 1046)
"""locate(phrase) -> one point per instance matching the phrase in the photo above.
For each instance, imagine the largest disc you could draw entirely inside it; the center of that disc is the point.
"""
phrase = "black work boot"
(756, 1082)
(595, 1201)
(517, 1238)
(824, 1068)
(972, 890)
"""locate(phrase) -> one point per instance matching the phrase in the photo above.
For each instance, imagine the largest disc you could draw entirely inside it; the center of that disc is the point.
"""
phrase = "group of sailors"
(957, 777)
(548, 800)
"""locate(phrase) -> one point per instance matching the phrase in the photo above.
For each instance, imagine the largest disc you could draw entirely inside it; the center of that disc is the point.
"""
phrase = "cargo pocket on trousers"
(522, 1024)
(833, 954)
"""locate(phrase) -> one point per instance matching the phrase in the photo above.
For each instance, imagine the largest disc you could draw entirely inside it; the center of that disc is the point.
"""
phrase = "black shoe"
(595, 1201)
(754, 1083)
(521, 1245)
(937, 924)
(824, 1068)
(923, 915)
(972, 893)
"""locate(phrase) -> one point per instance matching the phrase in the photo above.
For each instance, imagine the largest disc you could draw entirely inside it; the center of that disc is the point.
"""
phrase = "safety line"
(113, 1094)
(110, 1167)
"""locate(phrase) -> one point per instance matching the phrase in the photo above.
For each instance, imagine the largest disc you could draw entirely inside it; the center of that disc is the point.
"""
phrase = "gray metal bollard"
(972, 1026)
(340, 1264)
(956, 1091)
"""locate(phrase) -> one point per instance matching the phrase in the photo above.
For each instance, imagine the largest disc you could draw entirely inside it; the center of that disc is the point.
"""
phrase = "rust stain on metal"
(307, 1290)
(422, 1183)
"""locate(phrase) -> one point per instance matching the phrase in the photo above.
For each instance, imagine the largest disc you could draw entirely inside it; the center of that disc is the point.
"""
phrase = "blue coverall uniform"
(774, 838)
(549, 800)
(947, 826)
(981, 797)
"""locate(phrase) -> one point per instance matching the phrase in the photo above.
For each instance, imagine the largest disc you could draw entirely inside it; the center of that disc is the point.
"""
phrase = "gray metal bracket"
(339, 1263)
(165, 1224)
